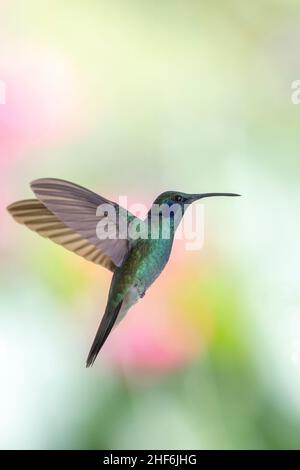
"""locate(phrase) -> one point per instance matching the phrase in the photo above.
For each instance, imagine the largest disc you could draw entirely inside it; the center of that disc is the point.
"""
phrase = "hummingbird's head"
(183, 200)
(174, 203)
(171, 205)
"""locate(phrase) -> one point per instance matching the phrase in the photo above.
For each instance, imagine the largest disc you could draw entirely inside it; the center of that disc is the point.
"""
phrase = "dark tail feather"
(104, 329)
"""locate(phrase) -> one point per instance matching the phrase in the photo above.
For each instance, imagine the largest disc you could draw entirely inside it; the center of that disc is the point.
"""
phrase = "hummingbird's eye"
(178, 198)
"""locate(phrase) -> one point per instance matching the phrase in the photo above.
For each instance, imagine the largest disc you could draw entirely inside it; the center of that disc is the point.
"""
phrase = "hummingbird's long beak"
(195, 197)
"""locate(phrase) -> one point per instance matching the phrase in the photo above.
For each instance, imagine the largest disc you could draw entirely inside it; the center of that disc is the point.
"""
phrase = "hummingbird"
(69, 215)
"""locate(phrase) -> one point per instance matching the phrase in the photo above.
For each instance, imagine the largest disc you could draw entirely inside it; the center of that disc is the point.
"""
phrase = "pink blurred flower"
(43, 99)
(43, 105)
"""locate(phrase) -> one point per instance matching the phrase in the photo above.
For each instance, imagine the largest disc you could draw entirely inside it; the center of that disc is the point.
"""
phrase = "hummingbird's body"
(141, 267)
(69, 215)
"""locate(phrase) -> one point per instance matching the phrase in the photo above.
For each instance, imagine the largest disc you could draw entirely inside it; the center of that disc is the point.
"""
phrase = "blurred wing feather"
(76, 207)
(37, 217)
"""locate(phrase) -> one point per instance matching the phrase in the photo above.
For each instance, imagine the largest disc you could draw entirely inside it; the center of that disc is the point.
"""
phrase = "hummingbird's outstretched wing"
(33, 214)
(77, 207)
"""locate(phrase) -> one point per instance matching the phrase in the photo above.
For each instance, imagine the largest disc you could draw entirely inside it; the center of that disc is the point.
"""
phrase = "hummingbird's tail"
(104, 329)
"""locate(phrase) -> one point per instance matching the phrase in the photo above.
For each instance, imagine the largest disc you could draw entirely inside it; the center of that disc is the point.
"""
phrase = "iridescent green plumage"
(144, 262)
(69, 215)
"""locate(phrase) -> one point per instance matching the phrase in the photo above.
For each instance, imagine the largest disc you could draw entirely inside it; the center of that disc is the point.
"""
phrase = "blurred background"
(133, 98)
